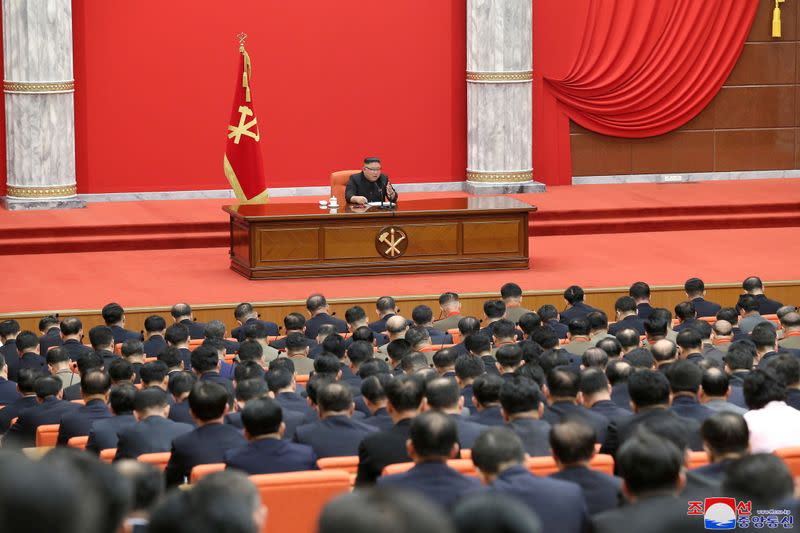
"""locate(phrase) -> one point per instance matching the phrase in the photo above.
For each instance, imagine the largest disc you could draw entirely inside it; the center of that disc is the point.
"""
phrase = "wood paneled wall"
(752, 124)
(787, 292)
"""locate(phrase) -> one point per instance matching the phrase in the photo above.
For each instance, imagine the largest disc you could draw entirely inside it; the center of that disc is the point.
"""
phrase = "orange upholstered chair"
(348, 464)
(47, 435)
(602, 463)
(790, 456)
(464, 466)
(201, 471)
(78, 442)
(107, 455)
(339, 183)
(118, 348)
(455, 334)
(542, 466)
(697, 459)
(301, 379)
(294, 500)
(158, 459)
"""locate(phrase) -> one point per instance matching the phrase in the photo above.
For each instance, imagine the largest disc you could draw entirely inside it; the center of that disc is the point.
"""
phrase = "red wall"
(333, 82)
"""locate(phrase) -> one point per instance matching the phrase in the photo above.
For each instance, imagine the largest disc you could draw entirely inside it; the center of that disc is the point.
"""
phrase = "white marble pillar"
(40, 111)
(499, 97)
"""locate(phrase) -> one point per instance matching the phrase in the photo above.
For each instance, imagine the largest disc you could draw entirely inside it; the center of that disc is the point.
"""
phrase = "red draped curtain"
(627, 68)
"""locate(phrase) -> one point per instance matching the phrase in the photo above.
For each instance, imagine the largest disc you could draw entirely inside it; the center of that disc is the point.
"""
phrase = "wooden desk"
(439, 235)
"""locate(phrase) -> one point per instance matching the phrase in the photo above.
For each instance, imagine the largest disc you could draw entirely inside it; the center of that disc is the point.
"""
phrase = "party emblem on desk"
(391, 242)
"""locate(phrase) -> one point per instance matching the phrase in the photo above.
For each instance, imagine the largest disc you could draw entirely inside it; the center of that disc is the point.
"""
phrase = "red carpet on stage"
(159, 252)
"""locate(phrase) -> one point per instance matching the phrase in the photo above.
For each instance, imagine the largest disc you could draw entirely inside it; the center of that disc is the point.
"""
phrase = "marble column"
(499, 97)
(40, 110)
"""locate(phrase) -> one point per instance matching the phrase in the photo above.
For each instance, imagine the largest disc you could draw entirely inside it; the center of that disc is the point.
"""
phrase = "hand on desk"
(358, 200)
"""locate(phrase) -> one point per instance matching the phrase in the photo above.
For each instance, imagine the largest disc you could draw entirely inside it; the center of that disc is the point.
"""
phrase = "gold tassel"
(776, 19)
(246, 73)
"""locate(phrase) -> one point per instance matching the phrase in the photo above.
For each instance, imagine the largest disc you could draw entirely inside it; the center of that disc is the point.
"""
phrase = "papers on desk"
(381, 204)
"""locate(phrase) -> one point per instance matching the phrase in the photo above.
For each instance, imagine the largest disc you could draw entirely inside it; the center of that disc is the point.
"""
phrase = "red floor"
(201, 276)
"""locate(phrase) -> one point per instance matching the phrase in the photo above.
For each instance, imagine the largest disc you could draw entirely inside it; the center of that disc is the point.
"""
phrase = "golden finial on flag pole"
(241, 37)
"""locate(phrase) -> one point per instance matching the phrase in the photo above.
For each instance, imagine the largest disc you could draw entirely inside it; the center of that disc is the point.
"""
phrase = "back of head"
(752, 284)
(740, 355)
(181, 383)
(519, 395)
(248, 371)
(649, 463)
(762, 387)
(26, 378)
(656, 325)
(628, 338)
(625, 304)
(684, 376)
(598, 320)
(442, 393)
(510, 291)
(664, 350)
(728, 314)
(154, 324)
(528, 322)
(69, 326)
(690, 340)
(181, 310)
(256, 331)
(177, 334)
(547, 312)
(639, 290)
(494, 513)
(242, 311)
(764, 336)
(373, 366)
(434, 436)
(573, 295)
(504, 330)
(372, 387)
(611, 346)
(747, 303)
(153, 372)
(715, 382)
(593, 381)
(762, 478)
(355, 314)
(112, 313)
(494, 309)
(327, 364)
(563, 382)
(55, 356)
(725, 433)
(478, 344)
(421, 315)
(205, 359)
(278, 379)
(448, 299)
(468, 366)
(648, 388)
(214, 329)
(445, 358)
(132, 348)
(251, 388)
(468, 325)
(149, 400)
(363, 333)
(572, 442)
(171, 356)
(334, 397)
(509, 356)
(619, 372)
(294, 322)
(385, 304)
(594, 358)
(786, 367)
(47, 322)
(334, 344)
(404, 393)
(315, 302)
(694, 287)
(495, 448)
(9, 328)
(95, 383)
(415, 362)
(147, 483)
(46, 386)
(262, 416)
(486, 388)
(121, 398)
(101, 337)
(578, 327)
(208, 400)
(418, 336)
(791, 320)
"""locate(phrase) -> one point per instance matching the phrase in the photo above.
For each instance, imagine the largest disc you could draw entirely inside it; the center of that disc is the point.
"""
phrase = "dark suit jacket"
(108, 358)
(560, 329)
(121, 335)
(534, 433)
(560, 411)
(294, 402)
(629, 322)
(767, 306)
(335, 436)
(73, 392)
(793, 398)
(644, 311)
(713, 471)
(379, 325)
(11, 355)
(705, 308)
(558, 504)
(466, 393)
(579, 310)
(690, 408)
(103, 433)
(655, 514)
(436, 482)
(151, 435)
(380, 419)
(33, 361)
(621, 429)
(80, 422)
(238, 333)
(8, 391)
(491, 416)
(203, 445)
(13, 410)
(313, 324)
(359, 185)
(380, 449)
(271, 456)
(610, 410)
(762, 364)
(280, 344)
(621, 396)
(23, 433)
(51, 338)
(600, 491)
(180, 412)
(468, 431)
(154, 346)
(736, 397)
(75, 349)
(215, 377)
(196, 329)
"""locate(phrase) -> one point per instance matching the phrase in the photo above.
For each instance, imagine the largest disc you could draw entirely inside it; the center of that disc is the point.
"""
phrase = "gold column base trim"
(499, 177)
(500, 77)
(41, 192)
(38, 87)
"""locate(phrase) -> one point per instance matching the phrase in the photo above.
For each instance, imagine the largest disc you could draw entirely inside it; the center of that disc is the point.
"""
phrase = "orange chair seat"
(348, 464)
(107, 455)
(159, 459)
(47, 435)
(201, 471)
(78, 442)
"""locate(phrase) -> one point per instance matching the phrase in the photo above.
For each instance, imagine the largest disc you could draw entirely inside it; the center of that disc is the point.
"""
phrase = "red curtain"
(628, 68)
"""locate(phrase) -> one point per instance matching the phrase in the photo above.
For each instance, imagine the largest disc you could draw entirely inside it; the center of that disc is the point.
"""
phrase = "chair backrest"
(348, 463)
(201, 471)
(47, 435)
(296, 499)
(229, 357)
(602, 463)
(542, 466)
(464, 466)
(79, 401)
(194, 343)
(118, 348)
(790, 456)
(107, 455)
(158, 459)
(455, 333)
(339, 183)
(301, 379)
(697, 459)
(78, 442)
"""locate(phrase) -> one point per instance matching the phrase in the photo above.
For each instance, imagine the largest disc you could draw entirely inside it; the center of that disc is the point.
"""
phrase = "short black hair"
(477, 343)
(26, 378)
(372, 367)
(262, 416)
(9, 327)
(404, 393)
(315, 383)
(628, 338)
(725, 432)
(648, 462)
(176, 334)
(53, 357)
(154, 371)
(132, 347)
(611, 346)
(494, 308)
(509, 355)
(112, 313)
(359, 351)
(433, 435)
(95, 382)
(69, 326)
(180, 309)
(204, 358)
(763, 335)
(785, 366)
(327, 364)
(214, 329)
(748, 303)
(625, 304)
(249, 389)
(547, 312)
(468, 325)
(752, 283)
(531, 371)
(181, 382)
(694, 286)
(154, 323)
(248, 370)
(519, 395)
(242, 310)
(447, 298)
(47, 322)
(639, 290)
(334, 397)
(385, 304)
(495, 447)
(355, 314)
(315, 302)
(119, 370)
(531, 352)
(657, 325)
(422, 314)
(146, 482)
(597, 320)
(278, 378)
(594, 357)
(469, 366)
(593, 380)
(46, 386)
(294, 322)
(504, 329)
(648, 388)
(372, 387)
(762, 478)
(256, 330)
(335, 345)
(689, 338)
(253, 351)
(762, 387)
(442, 393)
(685, 311)
(579, 327)
(563, 381)
(207, 400)
(510, 290)
(92, 360)
(740, 355)
(684, 376)
(486, 388)
(363, 333)
(715, 382)
(171, 356)
(528, 322)
(149, 398)
(729, 314)
(572, 441)
(121, 398)
(445, 358)
(573, 294)
(27, 340)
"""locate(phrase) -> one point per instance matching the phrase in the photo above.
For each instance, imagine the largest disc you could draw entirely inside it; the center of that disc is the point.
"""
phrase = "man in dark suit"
(49, 410)
(685, 378)
(154, 432)
(511, 293)
(486, 396)
(755, 287)
(522, 409)
(627, 317)
(25, 385)
(336, 434)
(450, 312)
(245, 315)
(738, 364)
(787, 368)
(282, 385)
(369, 185)
(114, 317)
(573, 447)
(422, 316)
(51, 334)
(180, 385)
(28, 349)
(766, 341)
(405, 394)
(182, 314)
(726, 439)
(215, 329)
(433, 439)
(576, 308)
(8, 389)
(318, 308)
(94, 389)
(596, 393)
(210, 440)
(690, 345)
(103, 433)
(640, 292)
(649, 391)
(72, 334)
(443, 396)
(686, 314)
(88, 362)
(467, 368)
(9, 329)
(499, 456)
(386, 308)
(154, 329)
(177, 337)
(563, 386)
(102, 339)
(550, 318)
(375, 398)
(696, 290)
(651, 467)
(267, 452)
(293, 323)
(205, 363)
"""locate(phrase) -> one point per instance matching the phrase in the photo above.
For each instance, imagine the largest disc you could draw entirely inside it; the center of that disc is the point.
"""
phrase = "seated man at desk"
(370, 185)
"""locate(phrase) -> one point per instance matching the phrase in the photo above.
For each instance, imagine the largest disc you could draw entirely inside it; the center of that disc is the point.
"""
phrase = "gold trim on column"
(500, 77)
(500, 177)
(41, 192)
(38, 87)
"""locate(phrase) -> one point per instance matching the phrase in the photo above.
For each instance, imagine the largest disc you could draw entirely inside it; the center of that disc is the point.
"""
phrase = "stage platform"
(153, 254)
